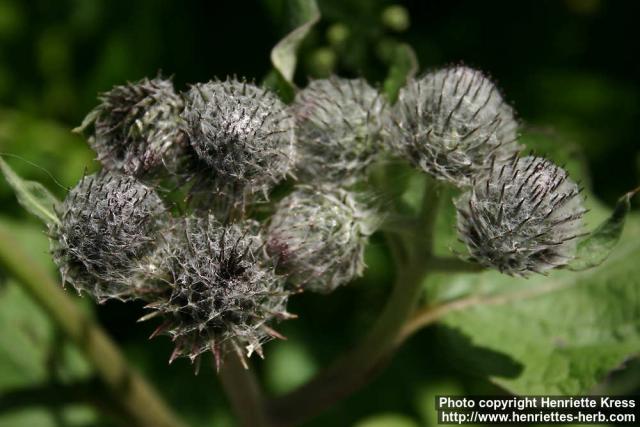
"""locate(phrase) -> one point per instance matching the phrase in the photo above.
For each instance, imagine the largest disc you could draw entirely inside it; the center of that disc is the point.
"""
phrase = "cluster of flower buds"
(218, 278)
(519, 215)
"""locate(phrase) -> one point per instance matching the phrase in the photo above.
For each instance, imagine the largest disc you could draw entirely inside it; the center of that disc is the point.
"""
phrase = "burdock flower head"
(451, 122)
(338, 126)
(522, 217)
(108, 223)
(136, 127)
(224, 292)
(243, 135)
(319, 235)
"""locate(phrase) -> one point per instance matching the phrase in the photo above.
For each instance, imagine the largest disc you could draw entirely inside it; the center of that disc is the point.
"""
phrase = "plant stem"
(243, 391)
(138, 399)
(357, 366)
(454, 265)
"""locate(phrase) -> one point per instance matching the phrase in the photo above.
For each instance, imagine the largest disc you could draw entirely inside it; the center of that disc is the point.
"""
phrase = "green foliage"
(33, 354)
(289, 365)
(595, 249)
(566, 332)
(304, 15)
(387, 420)
(404, 65)
(558, 334)
(33, 196)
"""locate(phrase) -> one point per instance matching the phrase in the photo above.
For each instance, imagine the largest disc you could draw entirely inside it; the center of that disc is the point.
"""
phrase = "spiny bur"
(241, 134)
(319, 235)
(108, 224)
(136, 127)
(224, 291)
(524, 216)
(339, 125)
(449, 123)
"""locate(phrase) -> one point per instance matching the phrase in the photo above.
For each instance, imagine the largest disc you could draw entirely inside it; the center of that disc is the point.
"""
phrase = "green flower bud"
(338, 125)
(241, 134)
(319, 235)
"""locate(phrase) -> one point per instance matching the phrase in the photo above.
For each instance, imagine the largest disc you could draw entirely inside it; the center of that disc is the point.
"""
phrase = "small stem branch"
(425, 316)
(357, 366)
(138, 399)
(454, 265)
(243, 392)
(428, 315)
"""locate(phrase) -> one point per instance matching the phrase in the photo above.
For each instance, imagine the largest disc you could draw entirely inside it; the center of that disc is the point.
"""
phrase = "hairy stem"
(138, 399)
(358, 365)
(243, 391)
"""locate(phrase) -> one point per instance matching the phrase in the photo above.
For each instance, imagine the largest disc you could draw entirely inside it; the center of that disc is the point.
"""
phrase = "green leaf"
(283, 56)
(275, 82)
(597, 246)
(566, 331)
(33, 196)
(404, 66)
(387, 420)
(32, 354)
(25, 339)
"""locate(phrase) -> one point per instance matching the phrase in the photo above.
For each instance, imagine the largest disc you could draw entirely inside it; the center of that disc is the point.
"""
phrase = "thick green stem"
(244, 393)
(356, 367)
(138, 399)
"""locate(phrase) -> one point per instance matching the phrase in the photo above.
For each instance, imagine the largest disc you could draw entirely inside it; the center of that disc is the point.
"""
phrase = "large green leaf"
(33, 196)
(566, 331)
(304, 14)
(561, 333)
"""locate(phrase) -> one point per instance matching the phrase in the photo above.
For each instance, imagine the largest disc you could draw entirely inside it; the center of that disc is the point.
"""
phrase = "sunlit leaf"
(33, 196)
(597, 246)
(564, 332)
(283, 55)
